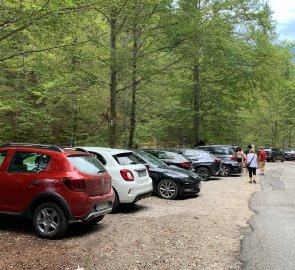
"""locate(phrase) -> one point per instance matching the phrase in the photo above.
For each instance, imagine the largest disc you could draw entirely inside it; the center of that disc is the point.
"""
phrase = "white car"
(130, 179)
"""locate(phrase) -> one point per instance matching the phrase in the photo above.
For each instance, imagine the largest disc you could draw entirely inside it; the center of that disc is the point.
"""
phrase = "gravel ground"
(201, 232)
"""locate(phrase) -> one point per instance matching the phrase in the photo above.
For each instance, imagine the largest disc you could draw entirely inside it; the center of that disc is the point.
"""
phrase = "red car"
(53, 187)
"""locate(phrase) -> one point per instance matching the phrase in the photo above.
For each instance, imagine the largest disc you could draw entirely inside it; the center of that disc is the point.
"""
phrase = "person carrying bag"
(251, 164)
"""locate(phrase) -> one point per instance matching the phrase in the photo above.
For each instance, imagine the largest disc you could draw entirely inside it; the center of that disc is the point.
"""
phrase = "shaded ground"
(202, 232)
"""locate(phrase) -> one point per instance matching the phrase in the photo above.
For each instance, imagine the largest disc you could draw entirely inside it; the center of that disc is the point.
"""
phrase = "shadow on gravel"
(82, 229)
(15, 224)
(19, 225)
(127, 208)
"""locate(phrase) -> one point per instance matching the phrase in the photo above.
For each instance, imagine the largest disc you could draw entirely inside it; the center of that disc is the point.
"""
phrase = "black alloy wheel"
(203, 172)
(167, 189)
(225, 170)
(49, 220)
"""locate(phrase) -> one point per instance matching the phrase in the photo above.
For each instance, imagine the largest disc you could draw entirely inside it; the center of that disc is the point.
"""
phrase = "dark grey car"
(273, 154)
(228, 157)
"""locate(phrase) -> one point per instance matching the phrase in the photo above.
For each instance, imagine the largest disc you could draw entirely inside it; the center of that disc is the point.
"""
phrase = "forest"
(144, 73)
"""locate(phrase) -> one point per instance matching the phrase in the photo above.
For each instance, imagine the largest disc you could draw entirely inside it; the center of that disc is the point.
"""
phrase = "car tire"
(116, 202)
(203, 172)
(49, 220)
(167, 189)
(225, 170)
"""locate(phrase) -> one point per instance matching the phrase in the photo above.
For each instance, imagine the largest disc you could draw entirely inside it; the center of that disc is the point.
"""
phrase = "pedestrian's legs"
(262, 167)
(250, 174)
(254, 175)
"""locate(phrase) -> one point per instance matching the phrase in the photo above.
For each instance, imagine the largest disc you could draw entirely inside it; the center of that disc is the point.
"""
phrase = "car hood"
(175, 172)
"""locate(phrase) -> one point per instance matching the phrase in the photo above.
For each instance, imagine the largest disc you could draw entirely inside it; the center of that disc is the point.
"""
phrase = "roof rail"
(41, 146)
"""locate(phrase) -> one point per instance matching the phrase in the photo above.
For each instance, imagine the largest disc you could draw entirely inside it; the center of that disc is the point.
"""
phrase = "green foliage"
(199, 70)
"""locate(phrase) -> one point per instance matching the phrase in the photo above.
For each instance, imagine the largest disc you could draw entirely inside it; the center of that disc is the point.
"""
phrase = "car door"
(4, 158)
(19, 183)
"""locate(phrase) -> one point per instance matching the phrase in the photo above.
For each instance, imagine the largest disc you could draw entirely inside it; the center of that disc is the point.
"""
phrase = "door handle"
(35, 182)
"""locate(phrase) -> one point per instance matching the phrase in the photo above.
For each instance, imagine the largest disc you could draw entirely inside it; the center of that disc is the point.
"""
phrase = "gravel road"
(201, 232)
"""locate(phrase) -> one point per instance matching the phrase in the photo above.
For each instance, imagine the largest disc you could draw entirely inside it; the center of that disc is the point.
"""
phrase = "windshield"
(126, 158)
(150, 160)
(87, 164)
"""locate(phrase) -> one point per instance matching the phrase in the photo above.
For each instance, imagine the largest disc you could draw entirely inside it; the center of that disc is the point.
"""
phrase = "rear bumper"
(93, 207)
(132, 192)
(99, 210)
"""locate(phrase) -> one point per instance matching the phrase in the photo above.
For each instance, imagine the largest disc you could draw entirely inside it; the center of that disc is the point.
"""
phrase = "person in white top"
(252, 160)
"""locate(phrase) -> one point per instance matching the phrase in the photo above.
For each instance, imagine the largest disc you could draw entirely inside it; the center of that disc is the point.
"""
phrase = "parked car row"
(55, 186)
(289, 154)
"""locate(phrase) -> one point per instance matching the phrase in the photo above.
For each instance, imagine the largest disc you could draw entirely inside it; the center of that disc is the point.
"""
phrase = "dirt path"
(195, 233)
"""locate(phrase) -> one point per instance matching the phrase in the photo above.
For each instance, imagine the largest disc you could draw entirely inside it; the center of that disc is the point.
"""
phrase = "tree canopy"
(130, 73)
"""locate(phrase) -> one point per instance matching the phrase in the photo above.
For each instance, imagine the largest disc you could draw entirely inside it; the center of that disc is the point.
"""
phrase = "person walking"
(241, 158)
(261, 161)
(246, 152)
(252, 162)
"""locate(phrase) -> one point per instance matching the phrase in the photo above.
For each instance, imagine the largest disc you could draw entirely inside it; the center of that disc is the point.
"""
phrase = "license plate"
(101, 206)
(142, 173)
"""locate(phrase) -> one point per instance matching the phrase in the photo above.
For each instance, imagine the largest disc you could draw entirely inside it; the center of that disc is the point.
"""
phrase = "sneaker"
(260, 174)
(254, 181)
(250, 182)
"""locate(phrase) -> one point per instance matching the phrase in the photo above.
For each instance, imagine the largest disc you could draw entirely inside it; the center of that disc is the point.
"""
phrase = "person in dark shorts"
(252, 160)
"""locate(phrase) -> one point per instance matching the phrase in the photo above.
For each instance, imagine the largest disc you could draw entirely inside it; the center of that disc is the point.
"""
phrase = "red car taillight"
(77, 185)
(186, 165)
(127, 175)
(233, 157)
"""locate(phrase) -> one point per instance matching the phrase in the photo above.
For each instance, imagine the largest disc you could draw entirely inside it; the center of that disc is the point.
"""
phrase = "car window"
(126, 159)
(217, 151)
(100, 158)
(3, 154)
(164, 155)
(87, 164)
(28, 162)
(149, 159)
(192, 153)
(178, 157)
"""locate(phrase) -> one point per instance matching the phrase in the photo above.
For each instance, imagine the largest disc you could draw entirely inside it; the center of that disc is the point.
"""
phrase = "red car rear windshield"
(87, 164)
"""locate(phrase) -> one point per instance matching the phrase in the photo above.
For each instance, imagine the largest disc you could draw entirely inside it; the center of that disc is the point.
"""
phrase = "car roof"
(51, 150)
(112, 151)
(217, 145)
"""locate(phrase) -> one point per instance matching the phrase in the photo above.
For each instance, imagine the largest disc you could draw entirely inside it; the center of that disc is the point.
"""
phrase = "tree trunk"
(113, 80)
(197, 110)
(133, 89)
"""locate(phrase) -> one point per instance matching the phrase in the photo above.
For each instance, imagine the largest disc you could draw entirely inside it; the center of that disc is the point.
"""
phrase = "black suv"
(228, 158)
(273, 154)
(205, 165)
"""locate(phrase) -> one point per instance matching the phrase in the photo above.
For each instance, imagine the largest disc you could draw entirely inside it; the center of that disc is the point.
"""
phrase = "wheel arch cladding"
(49, 197)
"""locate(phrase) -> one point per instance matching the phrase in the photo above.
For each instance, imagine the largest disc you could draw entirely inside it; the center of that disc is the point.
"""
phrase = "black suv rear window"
(87, 164)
